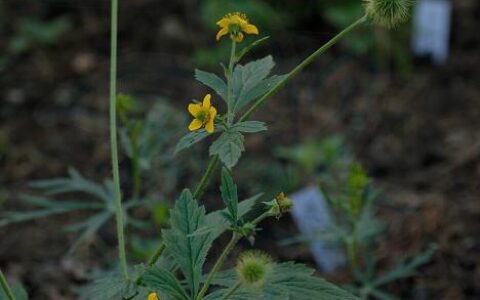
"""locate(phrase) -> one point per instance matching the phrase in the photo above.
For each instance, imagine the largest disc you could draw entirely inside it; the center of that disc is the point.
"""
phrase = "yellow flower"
(236, 24)
(204, 115)
(152, 296)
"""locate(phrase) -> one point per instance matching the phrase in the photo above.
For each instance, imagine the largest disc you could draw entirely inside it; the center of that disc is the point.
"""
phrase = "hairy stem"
(218, 264)
(301, 66)
(231, 291)
(205, 178)
(113, 138)
(5, 287)
(231, 64)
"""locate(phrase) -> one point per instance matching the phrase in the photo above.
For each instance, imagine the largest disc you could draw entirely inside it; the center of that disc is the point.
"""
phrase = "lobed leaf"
(228, 147)
(189, 250)
(161, 279)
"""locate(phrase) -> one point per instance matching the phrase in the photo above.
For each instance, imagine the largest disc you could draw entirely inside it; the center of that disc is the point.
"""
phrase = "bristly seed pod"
(253, 267)
(388, 13)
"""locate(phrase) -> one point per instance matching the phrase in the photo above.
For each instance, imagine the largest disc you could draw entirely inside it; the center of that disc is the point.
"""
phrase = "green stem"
(5, 287)
(113, 138)
(229, 83)
(231, 291)
(157, 254)
(300, 67)
(218, 264)
(205, 178)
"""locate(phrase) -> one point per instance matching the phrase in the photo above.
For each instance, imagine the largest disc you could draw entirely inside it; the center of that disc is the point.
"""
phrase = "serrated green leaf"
(228, 147)
(161, 279)
(291, 281)
(239, 294)
(250, 126)
(246, 78)
(189, 250)
(213, 81)
(257, 91)
(228, 190)
(296, 281)
(111, 287)
(190, 139)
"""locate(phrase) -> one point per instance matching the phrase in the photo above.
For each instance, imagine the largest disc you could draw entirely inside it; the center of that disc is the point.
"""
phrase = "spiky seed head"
(253, 267)
(388, 13)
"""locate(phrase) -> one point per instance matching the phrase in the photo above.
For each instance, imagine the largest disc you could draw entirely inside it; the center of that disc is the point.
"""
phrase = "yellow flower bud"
(153, 296)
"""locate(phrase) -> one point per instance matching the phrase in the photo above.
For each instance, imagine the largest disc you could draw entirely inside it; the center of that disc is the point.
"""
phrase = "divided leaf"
(190, 250)
(248, 81)
(111, 287)
(296, 281)
(291, 281)
(228, 147)
(213, 81)
(161, 279)
(228, 190)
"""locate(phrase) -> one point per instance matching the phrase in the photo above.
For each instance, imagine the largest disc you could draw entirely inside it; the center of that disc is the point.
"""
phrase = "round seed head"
(388, 13)
(253, 267)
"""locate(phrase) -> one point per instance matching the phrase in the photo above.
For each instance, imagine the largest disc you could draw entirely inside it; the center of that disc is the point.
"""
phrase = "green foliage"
(33, 33)
(212, 81)
(250, 126)
(99, 202)
(228, 147)
(286, 281)
(163, 281)
(189, 250)
(249, 81)
(228, 190)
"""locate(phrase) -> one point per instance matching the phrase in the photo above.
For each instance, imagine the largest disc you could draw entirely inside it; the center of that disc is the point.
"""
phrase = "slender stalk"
(113, 138)
(205, 178)
(218, 264)
(5, 287)
(300, 67)
(231, 291)
(157, 254)
(229, 83)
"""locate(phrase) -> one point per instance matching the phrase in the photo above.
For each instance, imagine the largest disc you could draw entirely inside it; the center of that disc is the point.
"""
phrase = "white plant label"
(431, 22)
(311, 214)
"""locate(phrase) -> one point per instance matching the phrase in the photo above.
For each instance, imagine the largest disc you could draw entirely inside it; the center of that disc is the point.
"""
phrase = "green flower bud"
(280, 205)
(388, 13)
(253, 267)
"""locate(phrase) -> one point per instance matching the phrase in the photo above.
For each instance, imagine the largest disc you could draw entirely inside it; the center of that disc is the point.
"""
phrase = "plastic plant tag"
(432, 29)
(311, 214)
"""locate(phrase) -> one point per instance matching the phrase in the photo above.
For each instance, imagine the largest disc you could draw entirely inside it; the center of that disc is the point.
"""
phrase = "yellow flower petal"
(195, 124)
(224, 22)
(209, 126)
(213, 112)
(194, 109)
(206, 101)
(250, 29)
(222, 32)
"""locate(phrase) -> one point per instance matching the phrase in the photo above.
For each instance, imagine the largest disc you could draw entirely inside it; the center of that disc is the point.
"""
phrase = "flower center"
(202, 116)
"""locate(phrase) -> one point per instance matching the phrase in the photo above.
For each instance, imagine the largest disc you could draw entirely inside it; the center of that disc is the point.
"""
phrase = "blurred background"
(411, 121)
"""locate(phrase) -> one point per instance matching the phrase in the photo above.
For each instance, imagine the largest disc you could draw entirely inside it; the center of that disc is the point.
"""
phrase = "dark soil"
(417, 134)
